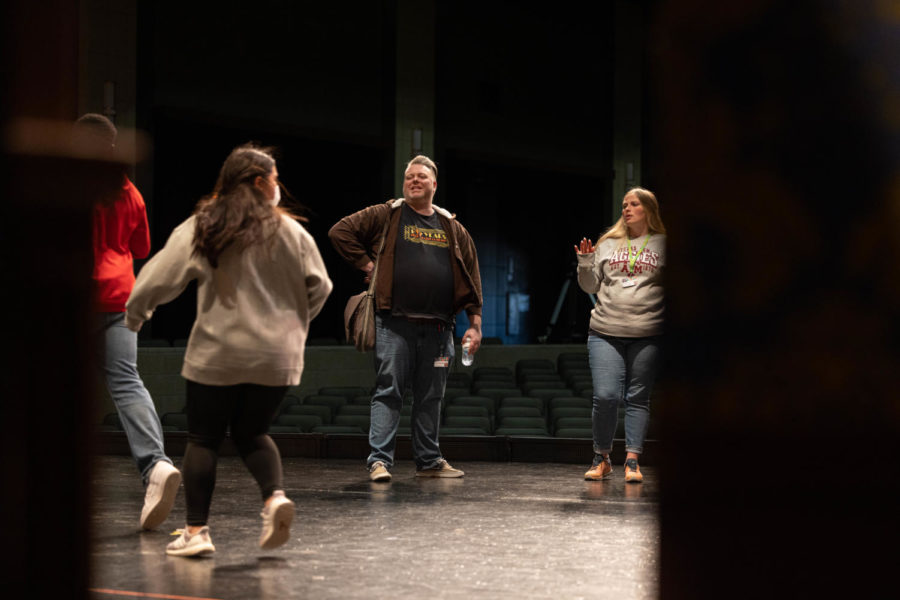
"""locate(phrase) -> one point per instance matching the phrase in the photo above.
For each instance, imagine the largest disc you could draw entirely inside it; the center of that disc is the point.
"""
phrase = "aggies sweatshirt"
(625, 310)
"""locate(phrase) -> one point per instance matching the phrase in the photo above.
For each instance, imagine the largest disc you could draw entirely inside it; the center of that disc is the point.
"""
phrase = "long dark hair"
(237, 212)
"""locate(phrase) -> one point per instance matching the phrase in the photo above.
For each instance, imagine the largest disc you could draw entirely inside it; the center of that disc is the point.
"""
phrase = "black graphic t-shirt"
(423, 278)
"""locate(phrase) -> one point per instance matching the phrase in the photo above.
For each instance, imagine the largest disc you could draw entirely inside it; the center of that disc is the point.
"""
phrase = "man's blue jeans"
(133, 402)
(415, 355)
(623, 370)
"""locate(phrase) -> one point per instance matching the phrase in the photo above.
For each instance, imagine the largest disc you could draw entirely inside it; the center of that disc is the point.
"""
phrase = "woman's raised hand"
(585, 247)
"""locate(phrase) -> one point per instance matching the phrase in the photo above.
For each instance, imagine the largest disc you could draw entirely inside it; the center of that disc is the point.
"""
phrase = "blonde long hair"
(651, 211)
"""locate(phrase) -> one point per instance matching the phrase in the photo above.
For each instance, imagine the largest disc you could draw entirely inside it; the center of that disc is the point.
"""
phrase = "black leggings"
(248, 409)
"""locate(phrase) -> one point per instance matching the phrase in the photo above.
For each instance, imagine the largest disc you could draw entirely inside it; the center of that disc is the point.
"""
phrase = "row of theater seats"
(535, 398)
(562, 416)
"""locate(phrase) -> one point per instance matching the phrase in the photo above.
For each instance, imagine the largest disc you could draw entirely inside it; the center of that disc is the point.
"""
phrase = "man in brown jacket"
(428, 272)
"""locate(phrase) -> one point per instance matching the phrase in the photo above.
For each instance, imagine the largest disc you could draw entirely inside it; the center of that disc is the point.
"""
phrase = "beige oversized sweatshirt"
(629, 305)
(253, 311)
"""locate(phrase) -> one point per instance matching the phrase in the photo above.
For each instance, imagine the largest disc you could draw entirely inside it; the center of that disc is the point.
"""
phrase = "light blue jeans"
(623, 370)
(132, 400)
(409, 354)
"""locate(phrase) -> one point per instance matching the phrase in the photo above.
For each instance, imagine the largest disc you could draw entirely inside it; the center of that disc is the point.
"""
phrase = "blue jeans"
(623, 370)
(133, 402)
(406, 354)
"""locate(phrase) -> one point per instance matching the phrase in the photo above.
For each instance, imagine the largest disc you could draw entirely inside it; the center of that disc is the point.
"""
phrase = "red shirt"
(121, 233)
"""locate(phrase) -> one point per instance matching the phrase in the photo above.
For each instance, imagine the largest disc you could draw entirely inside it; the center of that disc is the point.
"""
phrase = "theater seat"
(174, 421)
(575, 370)
(535, 364)
(360, 421)
(488, 372)
(321, 411)
(481, 425)
(284, 429)
(566, 412)
(326, 429)
(522, 432)
(459, 380)
(535, 377)
(582, 386)
(498, 393)
(522, 426)
(482, 401)
(565, 426)
(493, 381)
(450, 393)
(518, 411)
(546, 394)
(542, 385)
(575, 432)
(463, 431)
(567, 360)
(570, 401)
(348, 392)
(354, 409)
(469, 411)
(333, 402)
(305, 423)
(523, 401)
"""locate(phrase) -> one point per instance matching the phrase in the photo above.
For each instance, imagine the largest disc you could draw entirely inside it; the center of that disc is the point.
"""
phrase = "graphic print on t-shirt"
(431, 237)
(423, 277)
(648, 260)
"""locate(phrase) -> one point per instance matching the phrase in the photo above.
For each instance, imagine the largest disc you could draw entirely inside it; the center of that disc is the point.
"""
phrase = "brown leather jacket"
(356, 237)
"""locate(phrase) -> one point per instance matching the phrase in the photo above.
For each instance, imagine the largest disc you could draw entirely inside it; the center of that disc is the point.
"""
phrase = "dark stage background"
(522, 133)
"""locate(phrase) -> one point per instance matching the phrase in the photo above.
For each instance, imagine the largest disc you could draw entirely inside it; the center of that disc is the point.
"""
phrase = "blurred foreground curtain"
(778, 144)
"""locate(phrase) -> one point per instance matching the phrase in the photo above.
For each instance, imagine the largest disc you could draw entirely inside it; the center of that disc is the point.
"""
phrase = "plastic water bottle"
(466, 357)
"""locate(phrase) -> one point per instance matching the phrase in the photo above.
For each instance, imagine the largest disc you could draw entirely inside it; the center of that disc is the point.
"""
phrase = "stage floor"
(505, 530)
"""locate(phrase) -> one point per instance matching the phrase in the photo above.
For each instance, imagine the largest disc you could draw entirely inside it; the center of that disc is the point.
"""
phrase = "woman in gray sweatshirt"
(260, 280)
(625, 271)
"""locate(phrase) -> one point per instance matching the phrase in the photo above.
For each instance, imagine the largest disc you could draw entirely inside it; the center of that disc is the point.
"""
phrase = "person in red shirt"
(120, 234)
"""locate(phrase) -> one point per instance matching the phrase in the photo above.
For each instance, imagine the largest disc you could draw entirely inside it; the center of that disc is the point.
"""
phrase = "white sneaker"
(277, 518)
(191, 545)
(159, 498)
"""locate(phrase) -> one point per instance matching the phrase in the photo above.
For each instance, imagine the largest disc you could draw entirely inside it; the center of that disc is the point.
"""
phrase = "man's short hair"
(96, 127)
(421, 159)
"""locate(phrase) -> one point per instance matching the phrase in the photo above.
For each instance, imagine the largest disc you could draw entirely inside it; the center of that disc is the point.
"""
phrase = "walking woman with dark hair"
(261, 280)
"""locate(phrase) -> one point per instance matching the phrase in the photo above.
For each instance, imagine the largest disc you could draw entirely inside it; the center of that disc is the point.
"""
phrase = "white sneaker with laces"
(162, 486)
(191, 545)
(277, 518)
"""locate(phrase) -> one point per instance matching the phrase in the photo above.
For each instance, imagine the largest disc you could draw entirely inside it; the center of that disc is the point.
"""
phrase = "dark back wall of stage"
(523, 113)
